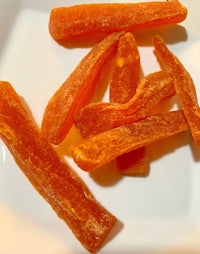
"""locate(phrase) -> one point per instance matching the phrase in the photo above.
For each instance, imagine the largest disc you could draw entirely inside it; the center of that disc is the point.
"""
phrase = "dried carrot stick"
(102, 148)
(126, 73)
(184, 86)
(124, 81)
(87, 19)
(76, 91)
(100, 116)
(52, 178)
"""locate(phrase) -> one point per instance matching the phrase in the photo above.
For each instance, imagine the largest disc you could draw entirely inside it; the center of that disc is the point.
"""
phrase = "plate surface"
(160, 213)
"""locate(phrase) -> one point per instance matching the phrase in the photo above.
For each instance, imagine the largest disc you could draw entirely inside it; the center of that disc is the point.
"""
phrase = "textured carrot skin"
(101, 116)
(126, 72)
(76, 91)
(102, 148)
(59, 185)
(124, 81)
(184, 86)
(87, 19)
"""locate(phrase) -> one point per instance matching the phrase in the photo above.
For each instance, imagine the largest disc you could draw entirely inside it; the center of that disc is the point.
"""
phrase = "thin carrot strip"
(126, 73)
(58, 184)
(184, 86)
(76, 91)
(101, 116)
(124, 81)
(102, 148)
(87, 19)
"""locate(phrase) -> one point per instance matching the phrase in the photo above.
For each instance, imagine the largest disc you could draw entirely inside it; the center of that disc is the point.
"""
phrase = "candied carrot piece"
(76, 91)
(124, 81)
(87, 19)
(102, 148)
(57, 183)
(134, 163)
(101, 116)
(183, 84)
(126, 73)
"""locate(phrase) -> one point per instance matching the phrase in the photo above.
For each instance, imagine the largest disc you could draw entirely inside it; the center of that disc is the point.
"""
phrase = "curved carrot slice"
(102, 148)
(124, 81)
(101, 116)
(126, 73)
(87, 19)
(184, 86)
(58, 184)
(76, 91)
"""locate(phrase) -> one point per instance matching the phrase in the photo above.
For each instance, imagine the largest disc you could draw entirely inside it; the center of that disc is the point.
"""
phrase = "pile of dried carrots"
(118, 129)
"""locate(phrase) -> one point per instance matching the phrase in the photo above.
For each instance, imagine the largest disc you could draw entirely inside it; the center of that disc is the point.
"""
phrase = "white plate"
(160, 213)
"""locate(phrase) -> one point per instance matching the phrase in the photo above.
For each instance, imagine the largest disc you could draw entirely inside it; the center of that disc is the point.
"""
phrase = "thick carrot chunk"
(134, 163)
(124, 81)
(101, 116)
(87, 19)
(59, 185)
(184, 86)
(76, 91)
(102, 148)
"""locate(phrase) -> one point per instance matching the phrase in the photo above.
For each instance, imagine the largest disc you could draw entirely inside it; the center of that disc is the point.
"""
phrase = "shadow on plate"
(107, 175)
(170, 34)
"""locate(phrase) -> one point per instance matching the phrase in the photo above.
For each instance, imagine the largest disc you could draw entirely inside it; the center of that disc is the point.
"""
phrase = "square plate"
(160, 213)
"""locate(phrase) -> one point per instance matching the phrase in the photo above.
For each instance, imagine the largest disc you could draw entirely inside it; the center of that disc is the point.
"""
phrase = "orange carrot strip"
(58, 184)
(101, 116)
(126, 73)
(76, 91)
(87, 19)
(124, 81)
(102, 148)
(184, 86)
